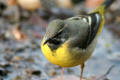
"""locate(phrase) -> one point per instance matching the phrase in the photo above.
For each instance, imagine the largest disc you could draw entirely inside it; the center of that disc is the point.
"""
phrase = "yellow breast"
(65, 56)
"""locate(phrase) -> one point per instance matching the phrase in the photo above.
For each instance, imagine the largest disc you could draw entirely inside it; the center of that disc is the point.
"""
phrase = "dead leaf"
(64, 3)
(29, 4)
(12, 2)
(19, 35)
(93, 3)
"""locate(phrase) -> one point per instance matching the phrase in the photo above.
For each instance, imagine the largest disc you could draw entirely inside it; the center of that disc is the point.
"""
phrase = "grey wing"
(94, 21)
(87, 34)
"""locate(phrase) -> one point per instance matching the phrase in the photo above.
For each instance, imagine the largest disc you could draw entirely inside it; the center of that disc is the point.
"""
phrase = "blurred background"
(22, 27)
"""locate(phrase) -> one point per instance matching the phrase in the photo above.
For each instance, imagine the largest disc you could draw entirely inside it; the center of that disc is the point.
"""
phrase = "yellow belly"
(66, 57)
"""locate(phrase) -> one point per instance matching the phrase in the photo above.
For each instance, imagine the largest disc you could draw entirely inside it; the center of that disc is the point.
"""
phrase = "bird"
(71, 42)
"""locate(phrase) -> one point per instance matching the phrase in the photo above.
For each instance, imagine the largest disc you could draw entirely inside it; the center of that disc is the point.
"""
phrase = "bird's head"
(53, 29)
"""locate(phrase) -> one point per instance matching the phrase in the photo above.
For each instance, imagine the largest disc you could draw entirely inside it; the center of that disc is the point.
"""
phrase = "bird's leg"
(82, 69)
(62, 73)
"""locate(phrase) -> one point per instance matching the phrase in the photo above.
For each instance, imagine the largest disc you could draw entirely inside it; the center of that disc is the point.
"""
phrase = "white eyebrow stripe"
(74, 18)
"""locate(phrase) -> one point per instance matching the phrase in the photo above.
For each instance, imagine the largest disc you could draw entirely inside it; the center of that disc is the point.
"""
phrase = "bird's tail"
(101, 9)
(107, 3)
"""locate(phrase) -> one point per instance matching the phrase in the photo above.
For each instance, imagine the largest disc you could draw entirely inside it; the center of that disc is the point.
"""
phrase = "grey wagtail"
(71, 42)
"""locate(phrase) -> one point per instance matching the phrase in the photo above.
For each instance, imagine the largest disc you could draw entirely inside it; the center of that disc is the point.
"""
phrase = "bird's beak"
(46, 40)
